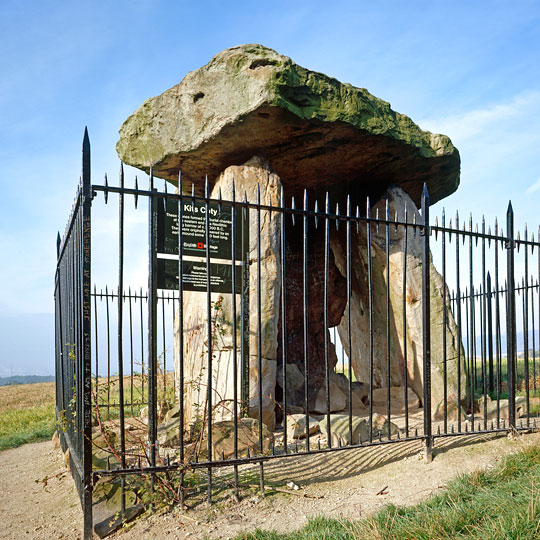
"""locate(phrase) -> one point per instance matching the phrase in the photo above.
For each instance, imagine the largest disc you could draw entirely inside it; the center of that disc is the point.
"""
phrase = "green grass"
(30, 425)
(26, 414)
(503, 503)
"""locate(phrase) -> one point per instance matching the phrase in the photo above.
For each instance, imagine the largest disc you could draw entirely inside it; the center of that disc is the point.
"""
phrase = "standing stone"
(398, 202)
(246, 179)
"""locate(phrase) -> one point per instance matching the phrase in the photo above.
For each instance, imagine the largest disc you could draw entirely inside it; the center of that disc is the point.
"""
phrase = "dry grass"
(24, 396)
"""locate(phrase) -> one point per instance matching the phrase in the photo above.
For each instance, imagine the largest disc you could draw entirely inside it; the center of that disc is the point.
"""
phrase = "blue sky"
(466, 69)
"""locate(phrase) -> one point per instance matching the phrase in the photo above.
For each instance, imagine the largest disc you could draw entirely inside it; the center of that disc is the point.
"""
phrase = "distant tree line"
(25, 379)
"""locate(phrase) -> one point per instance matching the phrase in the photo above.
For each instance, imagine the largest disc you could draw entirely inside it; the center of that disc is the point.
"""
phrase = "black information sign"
(194, 229)
(194, 273)
(194, 276)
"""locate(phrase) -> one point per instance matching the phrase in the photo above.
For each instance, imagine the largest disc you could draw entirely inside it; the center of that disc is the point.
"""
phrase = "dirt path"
(38, 496)
(344, 484)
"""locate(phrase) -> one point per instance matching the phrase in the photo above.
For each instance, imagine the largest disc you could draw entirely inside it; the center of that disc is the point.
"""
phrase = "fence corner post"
(87, 331)
(426, 325)
(511, 317)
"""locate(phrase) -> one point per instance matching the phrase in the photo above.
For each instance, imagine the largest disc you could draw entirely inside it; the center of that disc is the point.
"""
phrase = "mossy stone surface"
(316, 131)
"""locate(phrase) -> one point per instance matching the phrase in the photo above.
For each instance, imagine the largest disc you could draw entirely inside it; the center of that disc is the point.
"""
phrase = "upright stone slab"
(398, 203)
(195, 352)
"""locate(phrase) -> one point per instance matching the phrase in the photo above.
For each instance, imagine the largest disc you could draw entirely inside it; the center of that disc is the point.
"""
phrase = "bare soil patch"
(38, 495)
(347, 484)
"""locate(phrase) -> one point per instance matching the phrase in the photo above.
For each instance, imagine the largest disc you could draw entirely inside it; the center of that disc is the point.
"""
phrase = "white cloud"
(470, 124)
(534, 187)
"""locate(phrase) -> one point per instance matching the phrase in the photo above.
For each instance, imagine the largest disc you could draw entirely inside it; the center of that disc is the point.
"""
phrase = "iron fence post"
(426, 328)
(120, 343)
(152, 323)
(86, 334)
(510, 317)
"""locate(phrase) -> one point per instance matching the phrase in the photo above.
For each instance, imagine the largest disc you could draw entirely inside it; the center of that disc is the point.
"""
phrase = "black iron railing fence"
(427, 332)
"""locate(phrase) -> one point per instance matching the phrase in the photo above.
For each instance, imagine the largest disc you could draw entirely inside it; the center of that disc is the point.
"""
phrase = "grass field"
(26, 413)
(503, 503)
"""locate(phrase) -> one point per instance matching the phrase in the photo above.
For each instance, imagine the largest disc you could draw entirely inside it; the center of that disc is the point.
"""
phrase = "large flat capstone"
(316, 131)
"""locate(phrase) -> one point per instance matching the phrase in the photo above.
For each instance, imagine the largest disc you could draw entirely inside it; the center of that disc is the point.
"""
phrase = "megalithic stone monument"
(254, 116)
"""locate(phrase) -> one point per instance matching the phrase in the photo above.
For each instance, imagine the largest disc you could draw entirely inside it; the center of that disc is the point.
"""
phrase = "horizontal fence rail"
(249, 327)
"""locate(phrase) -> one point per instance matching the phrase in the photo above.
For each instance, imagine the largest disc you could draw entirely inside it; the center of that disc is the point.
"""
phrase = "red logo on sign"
(200, 245)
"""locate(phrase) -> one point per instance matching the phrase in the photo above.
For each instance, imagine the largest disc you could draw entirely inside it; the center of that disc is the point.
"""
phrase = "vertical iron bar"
(460, 348)
(87, 336)
(163, 338)
(325, 316)
(173, 315)
(96, 342)
(142, 341)
(181, 332)
(538, 292)
(526, 326)
(511, 317)
(305, 315)
(490, 331)
(370, 307)
(152, 324)
(349, 295)
(120, 335)
(472, 305)
(445, 323)
(524, 305)
(131, 348)
(483, 346)
(498, 351)
(108, 352)
(234, 332)
(60, 400)
(533, 336)
(387, 253)
(472, 351)
(426, 324)
(283, 319)
(259, 338)
(209, 336)
(404, 315)
(467, 343)
(245, 309)
(483, 315)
